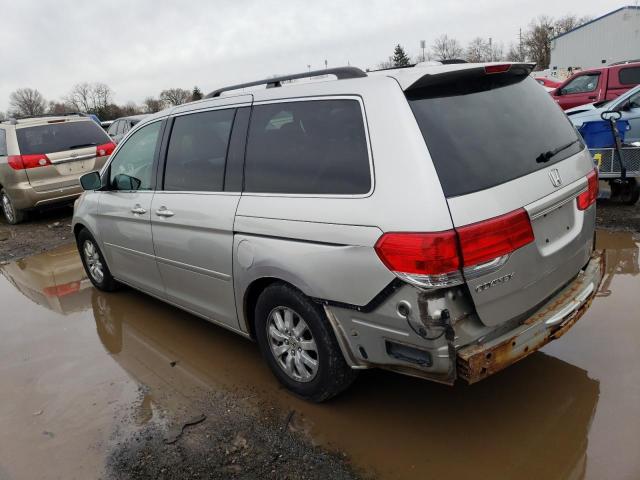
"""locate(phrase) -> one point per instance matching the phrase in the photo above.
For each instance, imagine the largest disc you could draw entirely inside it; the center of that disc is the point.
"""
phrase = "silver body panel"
(206, 256)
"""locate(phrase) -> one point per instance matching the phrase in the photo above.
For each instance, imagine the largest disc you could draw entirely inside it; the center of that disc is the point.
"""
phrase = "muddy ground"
(96, 385)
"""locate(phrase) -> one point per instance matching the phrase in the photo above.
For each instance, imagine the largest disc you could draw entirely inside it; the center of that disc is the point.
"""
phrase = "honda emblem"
(554, 175)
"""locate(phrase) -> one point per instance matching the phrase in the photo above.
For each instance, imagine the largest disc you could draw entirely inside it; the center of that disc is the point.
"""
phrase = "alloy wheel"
(292, 344)
(8, 208)
(92, 258)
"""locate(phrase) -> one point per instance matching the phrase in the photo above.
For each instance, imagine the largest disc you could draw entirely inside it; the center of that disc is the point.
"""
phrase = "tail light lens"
(588, 198)
(105, 149)
(497, 68)
(434, 260)
(493, 238)
(23, 162)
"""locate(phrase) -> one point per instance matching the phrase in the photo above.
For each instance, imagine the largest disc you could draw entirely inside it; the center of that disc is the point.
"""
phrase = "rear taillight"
(497, 68)
(434, 260)
(105, 149)
(22, 162)
(493, 238)
(589, 197)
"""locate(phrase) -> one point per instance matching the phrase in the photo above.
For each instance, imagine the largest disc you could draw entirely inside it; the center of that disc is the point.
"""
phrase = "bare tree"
(89, 97)
(153, 105)
(515, 54)
(26, 102)
(175, 96)
(478, 51)
(568, 22)
(130, 108)
(445, 48)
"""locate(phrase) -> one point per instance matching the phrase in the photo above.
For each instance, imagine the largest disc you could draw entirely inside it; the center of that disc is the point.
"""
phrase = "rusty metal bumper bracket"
(551, 321)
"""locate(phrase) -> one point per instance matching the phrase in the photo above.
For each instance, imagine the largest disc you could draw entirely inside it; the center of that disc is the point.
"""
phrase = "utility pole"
(490, 49)
(309, 67)
(422, 46)
(521, 59)
(325, 63)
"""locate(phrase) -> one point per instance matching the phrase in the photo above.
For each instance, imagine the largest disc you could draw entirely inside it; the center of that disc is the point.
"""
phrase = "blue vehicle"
(627, 104)
(617, 158)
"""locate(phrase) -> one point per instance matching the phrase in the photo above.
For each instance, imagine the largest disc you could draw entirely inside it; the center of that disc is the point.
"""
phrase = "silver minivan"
(436, 221)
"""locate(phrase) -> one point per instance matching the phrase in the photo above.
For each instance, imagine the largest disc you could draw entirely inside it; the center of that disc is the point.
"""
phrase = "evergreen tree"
(196, 94)
(400, 58)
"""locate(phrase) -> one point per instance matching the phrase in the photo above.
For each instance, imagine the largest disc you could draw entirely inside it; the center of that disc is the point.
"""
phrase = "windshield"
(58, 137)
(489, 130)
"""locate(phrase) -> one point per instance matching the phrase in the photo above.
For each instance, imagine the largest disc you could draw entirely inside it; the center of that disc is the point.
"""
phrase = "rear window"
(308, 147)
(58, 137)
(630, 76)
(490, 130)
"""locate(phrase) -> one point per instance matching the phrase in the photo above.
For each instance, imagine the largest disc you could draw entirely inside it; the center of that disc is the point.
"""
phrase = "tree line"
(534, 45)
(95, 98)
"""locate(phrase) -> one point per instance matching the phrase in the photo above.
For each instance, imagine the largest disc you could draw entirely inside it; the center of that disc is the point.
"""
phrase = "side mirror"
(91, 181)
(557, 92)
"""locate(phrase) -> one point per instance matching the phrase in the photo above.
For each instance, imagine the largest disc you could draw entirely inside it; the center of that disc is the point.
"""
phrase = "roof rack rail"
(341, 73)
(48, 115)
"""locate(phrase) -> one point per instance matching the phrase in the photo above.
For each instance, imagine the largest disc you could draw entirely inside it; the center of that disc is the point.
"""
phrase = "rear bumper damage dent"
(477, 361)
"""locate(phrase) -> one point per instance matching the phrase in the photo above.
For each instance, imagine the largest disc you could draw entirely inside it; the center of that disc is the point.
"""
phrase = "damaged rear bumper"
(488, 356)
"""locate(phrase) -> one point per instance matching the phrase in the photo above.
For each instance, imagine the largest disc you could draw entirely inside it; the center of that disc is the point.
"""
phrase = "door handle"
(164, 212)
(592, 97)
(138, 210)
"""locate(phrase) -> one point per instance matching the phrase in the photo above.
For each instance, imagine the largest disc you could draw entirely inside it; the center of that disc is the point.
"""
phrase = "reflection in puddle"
(534, 420)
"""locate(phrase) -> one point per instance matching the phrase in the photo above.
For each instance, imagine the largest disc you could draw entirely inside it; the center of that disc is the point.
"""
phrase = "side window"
(132, 167)
(122, 127)
(113, 128)
(629, 76)
(197, 151)
(582, 84)
(308, 147)
(3, 143)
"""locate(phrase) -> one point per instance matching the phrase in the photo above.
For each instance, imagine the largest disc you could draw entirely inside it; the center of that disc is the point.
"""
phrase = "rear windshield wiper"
(82, 145)
(546, 156)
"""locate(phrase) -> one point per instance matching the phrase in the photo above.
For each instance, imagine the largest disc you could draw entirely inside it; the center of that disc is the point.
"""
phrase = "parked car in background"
(628, 104)
(597, 85)
(465, 246)
(42, 158)
(547, 83)
(106, 124)
(120, 127)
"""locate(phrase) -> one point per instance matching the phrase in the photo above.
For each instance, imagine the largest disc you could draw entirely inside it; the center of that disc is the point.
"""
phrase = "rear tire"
(94, 263)
(12, 215)
(299, 345)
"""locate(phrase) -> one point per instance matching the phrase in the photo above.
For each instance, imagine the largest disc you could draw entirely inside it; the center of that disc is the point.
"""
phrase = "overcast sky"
(140, 47)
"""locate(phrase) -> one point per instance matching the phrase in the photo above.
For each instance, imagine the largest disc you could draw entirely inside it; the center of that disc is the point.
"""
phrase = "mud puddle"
(106, 376)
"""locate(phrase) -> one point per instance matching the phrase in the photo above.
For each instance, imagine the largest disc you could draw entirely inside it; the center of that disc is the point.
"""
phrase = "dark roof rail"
(341, 73)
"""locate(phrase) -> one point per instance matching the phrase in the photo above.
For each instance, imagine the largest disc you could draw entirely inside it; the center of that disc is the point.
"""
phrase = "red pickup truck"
(597, 85)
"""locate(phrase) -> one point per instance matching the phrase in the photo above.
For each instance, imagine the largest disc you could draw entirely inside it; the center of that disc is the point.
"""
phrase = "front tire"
(299, 345)
(94, 264)
(12, 215)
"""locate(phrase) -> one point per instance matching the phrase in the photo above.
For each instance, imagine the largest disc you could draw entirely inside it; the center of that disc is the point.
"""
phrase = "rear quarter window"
(308, 147)
(629, 76)
(58, 137)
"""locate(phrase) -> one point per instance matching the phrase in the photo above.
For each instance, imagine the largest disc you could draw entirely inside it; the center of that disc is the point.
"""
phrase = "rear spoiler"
(504, 72)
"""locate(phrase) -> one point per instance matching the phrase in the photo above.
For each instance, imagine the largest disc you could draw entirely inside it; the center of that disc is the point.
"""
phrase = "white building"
(613, 37)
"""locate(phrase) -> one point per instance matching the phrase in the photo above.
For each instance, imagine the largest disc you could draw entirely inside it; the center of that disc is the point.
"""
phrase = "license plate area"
(555, 228)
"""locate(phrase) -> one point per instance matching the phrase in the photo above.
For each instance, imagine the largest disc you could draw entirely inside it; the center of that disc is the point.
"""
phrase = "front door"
(579, 90)
(124, 212)
(192, 216)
